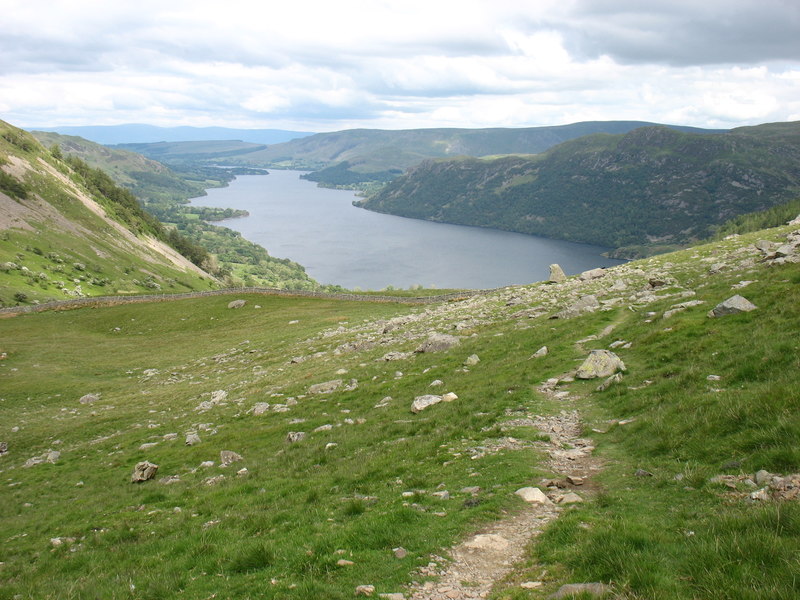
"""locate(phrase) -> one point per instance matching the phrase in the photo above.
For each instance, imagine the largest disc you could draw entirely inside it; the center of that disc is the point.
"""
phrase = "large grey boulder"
(143, 471)
(600, 363)
(438, 342)
(731, 306)
(237, 303)
(557, 274)
(422, 402)
(326, 387)
(585, 304)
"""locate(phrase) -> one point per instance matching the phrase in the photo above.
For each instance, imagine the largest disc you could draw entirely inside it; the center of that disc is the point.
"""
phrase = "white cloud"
(385, 63)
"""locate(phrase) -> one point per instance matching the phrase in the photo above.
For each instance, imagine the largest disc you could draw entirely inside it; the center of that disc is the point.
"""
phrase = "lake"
(356, 248)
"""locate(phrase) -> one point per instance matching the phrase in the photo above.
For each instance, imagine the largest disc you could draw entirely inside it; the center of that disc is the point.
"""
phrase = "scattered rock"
(761, 495)
(531, 585)
(51, 456)
(192, 439)
(731, 306)
(593, 274)
(3, 448)
(399, 552)
(642, 473)
(237, 303)
(260, 408)
(449, 397)
(436, 383)
(615, 378)
(343, 562)
(585, 304)
(389, 356)
(533, 495)
(143, 471)
(325, 387)
(540, 352)
(557, 274)
(422, 402)
(600, 363)
(227, 457)
(89, 398)
(214, 480)
(148, 445)
(574, 480)
(438, 342)
(763, 477)
(472, 360)
(365, 590)
(571, 590)
(295, 436)
(570, 498)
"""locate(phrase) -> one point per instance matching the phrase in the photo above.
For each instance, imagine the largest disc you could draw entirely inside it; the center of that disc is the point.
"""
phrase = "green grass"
(279, 531)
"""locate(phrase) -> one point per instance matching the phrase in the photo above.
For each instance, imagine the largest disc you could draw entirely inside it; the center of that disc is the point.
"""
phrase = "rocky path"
(479, 562)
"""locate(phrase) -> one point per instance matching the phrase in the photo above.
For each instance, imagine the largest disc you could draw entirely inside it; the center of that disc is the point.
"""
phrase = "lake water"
(356, 248)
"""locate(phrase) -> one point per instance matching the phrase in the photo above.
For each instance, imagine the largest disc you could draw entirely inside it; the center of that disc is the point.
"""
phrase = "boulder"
(472, 360)
(3, 447)
(192, 439)
(593, 274)
(600, 363)
(557, 274)
(449, 397)
(533, 495)
(731, 306)
(540, 352)
(585, 304)
(143, 471)
(89, 398)
(295, 436)
(422, 402)
(438, 342)
(325, 387)
(237, 303)
(227, 457)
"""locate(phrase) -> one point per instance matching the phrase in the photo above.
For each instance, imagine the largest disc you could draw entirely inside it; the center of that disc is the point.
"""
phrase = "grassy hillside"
(66, 230)
(653, 187)
(164, 192)
(700, 398)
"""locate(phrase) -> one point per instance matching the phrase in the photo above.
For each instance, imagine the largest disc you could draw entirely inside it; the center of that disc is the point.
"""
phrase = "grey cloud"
(681, 33)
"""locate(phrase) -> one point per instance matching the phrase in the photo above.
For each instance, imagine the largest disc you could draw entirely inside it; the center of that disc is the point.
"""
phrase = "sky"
(328, 65)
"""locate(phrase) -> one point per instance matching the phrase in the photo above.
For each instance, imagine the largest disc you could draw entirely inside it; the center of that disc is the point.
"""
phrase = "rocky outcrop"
(143, 471)
(600, 363)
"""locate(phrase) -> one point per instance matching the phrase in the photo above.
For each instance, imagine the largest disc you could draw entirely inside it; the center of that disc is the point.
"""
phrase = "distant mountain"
(363, 155)
(136, 133)
(654, 186)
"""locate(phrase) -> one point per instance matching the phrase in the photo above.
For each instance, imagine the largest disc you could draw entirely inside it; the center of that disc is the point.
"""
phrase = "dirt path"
(480, 561)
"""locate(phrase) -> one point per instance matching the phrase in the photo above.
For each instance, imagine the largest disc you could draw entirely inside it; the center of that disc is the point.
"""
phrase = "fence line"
(115, 300)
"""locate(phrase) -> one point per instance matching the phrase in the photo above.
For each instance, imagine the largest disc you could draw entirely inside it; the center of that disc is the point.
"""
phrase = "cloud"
(385, 63)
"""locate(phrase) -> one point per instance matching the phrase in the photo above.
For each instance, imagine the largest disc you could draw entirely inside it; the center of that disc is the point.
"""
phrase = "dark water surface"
(339, 243)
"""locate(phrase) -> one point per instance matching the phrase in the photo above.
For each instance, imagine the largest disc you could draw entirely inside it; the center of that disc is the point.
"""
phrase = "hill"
(66, 230)
(291, 466)
(143, 134)
(653, 187)
(165, 192)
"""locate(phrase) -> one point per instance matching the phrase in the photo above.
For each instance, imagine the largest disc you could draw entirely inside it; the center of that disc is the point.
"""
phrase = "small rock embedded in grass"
(733, 305)
(540, 352)
(227, 457)
(422, 402)
(237, 303)
(438, 342)
(642, 473)
(143, 471)
(325, 387)
(365, 590)
(192, 439)
(295, 436)
(343, 562)
(472, 360)
(570, 590)
(399, 552)
(89, 398)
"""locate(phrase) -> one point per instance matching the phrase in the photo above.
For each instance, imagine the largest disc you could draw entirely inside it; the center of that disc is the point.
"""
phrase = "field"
(316, 517)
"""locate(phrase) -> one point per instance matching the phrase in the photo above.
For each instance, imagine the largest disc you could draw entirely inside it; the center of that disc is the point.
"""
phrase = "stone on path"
(571, 590)
(557, 274)
(237, 303)
(438, 342)
(143, 471)
(422, 402)
(570, 498)
(600, 363)
(488, 541)
(325, 387)
(731, 306)
(227, 457)
(533, 495)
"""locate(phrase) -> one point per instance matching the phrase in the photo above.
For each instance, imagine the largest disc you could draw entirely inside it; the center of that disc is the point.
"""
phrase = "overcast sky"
(324, 65)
